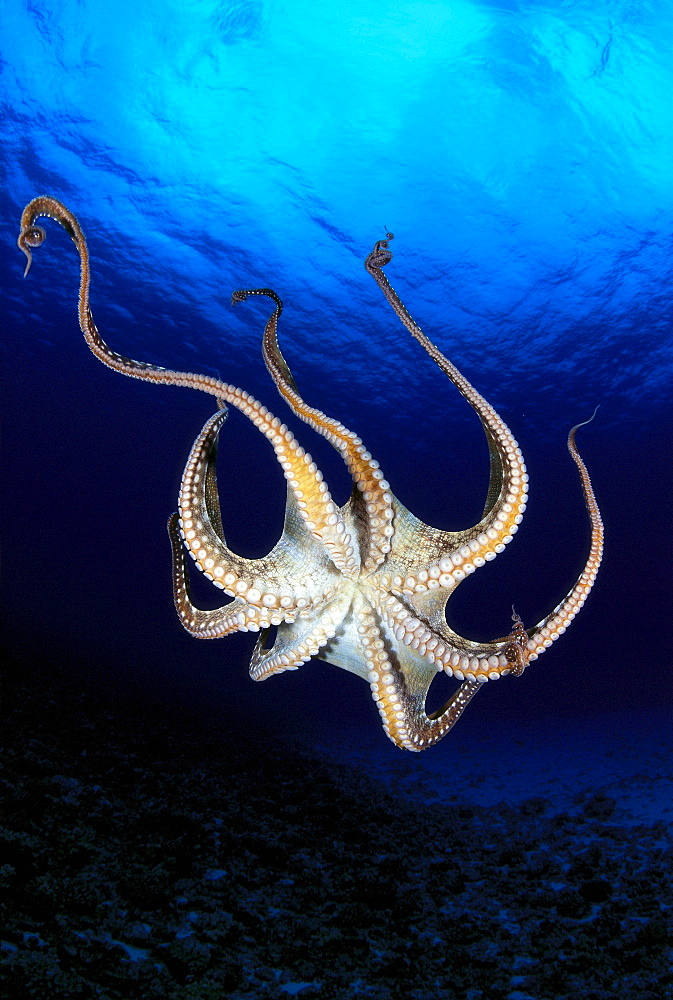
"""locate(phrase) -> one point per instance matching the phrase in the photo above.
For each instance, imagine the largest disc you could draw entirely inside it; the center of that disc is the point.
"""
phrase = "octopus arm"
(318, 510)
(554, 625)
(271, 583)
(299, 641)
(506, 495)
(374, 540)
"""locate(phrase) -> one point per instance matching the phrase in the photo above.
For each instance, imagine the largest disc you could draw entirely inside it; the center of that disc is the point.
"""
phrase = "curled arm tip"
(380, 254)
(30, 237)
(241, 294)
(516, 652)
(585, 422)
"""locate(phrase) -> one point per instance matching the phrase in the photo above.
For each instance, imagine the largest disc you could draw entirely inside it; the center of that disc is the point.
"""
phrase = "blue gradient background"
(523, 155)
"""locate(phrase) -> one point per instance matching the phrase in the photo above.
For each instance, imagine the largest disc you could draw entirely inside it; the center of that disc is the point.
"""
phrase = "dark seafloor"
(147, 854)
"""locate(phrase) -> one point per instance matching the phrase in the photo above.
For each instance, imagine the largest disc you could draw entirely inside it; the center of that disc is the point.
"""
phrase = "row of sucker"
(448, 571)
(554, 625)
(296, 644)
(364, 469)
(505, 513)
(320, 515)
(268, 584)
(403, 714)
(449, 652)
(235, 617)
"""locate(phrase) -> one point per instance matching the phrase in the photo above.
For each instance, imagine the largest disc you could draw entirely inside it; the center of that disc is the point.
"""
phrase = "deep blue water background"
(522, 153)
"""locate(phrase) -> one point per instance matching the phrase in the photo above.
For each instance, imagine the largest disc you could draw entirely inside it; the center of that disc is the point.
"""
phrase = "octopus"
(363, 586)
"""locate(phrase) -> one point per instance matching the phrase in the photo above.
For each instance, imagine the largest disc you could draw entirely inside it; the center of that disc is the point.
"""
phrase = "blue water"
(522, 153)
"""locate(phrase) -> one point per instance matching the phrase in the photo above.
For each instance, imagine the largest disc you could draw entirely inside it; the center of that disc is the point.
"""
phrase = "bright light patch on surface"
(522, 153)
